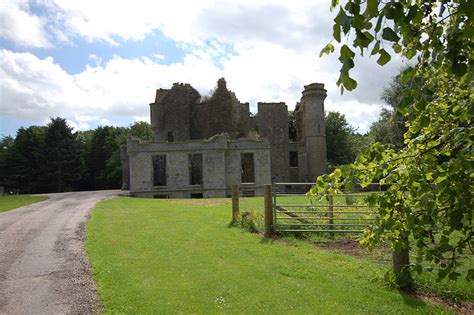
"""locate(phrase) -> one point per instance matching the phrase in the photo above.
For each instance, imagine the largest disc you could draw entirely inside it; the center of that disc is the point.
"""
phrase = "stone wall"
(221, 167)
(273, 126)
(171, 112)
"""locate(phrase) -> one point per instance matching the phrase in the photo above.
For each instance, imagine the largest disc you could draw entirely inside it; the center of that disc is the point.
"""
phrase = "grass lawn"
(15, 201)
(179, 256)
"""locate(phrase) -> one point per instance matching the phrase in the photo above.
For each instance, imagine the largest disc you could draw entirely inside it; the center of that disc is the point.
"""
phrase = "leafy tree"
(100, 147)
(339, 139)
(142, 130)
(390, 127)
(62, 163)
(430, 198)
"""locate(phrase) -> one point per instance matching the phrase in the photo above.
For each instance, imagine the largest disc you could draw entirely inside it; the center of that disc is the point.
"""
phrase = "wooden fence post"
(268, 211)
(235, 203)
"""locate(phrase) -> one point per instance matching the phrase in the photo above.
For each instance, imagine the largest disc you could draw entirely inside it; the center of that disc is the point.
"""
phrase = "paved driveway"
(43, 269)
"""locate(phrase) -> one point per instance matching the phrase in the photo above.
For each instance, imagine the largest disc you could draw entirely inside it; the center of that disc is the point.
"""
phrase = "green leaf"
(346, 22)
(411, 13)
(362, 40)
(379, 23)
(376, 48)
(372, 8)
(329, 48)
(384, 57)
(408, 74)
(349, 83)
(336, 33)
(397, 48)
(424, 121)
(353, 7)
(346, 53)
(347, 65)
(358, 22)
(389, 34)
(402, 107)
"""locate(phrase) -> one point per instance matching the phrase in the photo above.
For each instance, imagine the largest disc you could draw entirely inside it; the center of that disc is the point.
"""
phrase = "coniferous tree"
(26, 159)
(63, 163)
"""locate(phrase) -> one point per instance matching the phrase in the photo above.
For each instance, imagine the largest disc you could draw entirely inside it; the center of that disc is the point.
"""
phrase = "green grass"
(179, 256)
(15, 201)
(460, 289)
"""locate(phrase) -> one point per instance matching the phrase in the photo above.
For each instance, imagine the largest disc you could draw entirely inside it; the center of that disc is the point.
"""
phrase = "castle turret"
(314, 129)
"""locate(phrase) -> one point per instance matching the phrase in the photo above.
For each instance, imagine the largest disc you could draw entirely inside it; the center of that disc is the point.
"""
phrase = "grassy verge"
(179, 256)
(15, 201)
(460, 289)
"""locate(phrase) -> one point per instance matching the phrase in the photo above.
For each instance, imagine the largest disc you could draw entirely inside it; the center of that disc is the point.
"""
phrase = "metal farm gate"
(294, 211)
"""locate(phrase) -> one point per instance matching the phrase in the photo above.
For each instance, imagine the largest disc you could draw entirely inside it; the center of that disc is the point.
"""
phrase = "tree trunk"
(401, 267)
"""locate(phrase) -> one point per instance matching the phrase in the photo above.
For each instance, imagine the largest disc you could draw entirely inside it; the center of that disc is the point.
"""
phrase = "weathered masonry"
(203, 146)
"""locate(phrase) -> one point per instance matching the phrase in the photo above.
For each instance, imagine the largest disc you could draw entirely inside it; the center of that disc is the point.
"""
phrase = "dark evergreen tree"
(63, 163)
(6, 162)
(26, 159)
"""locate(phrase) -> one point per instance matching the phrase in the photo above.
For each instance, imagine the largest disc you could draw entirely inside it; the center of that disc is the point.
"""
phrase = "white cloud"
(20, 26)
(267, 51)
(120, 87)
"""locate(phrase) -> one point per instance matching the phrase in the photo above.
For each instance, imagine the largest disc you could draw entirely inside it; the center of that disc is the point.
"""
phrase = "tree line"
(53, 158)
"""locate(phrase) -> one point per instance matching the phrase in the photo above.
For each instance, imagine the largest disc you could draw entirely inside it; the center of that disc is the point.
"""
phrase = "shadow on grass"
(412, 301)
(267, 240)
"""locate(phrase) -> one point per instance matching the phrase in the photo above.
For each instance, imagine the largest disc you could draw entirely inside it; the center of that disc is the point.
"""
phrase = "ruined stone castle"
(203, 146)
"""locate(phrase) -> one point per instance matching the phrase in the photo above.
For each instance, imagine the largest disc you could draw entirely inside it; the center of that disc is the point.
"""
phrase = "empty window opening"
(159, 170)
(196, 195)
(170, 136)
(195, 169)
(319, 128)
(248, 169)
(293, 159)
(160, 196)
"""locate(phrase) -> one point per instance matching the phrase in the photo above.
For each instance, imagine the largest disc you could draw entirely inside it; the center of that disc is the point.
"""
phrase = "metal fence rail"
(341, 213)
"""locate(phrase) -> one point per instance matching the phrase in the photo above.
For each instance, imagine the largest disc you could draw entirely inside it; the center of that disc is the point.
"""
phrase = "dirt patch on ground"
(349, 247)
(459, 307)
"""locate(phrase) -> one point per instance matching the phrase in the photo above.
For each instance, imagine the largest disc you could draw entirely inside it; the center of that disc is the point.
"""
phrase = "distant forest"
(53, 158)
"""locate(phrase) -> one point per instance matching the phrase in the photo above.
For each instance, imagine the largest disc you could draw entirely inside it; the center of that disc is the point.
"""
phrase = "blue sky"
(99, 63)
